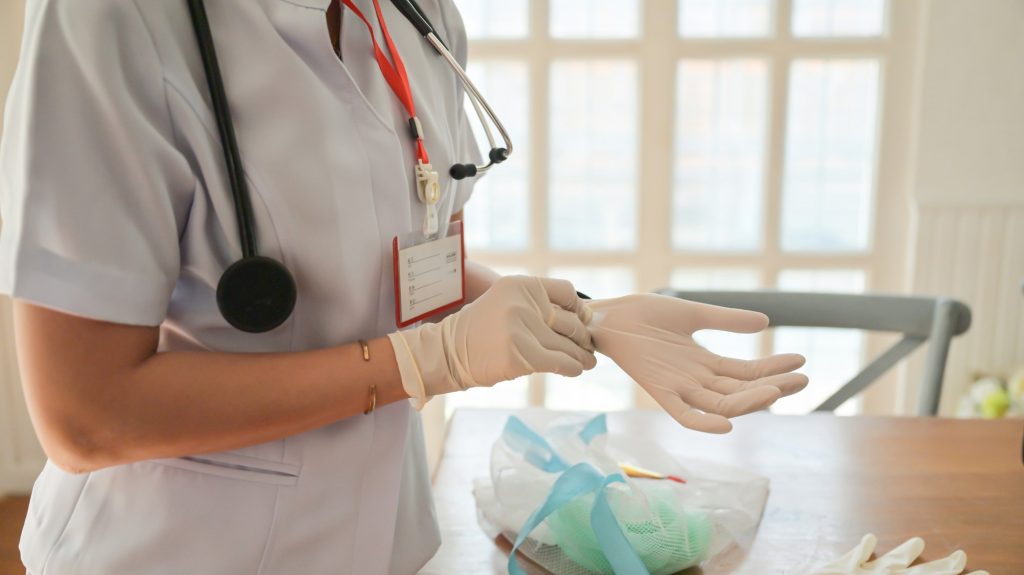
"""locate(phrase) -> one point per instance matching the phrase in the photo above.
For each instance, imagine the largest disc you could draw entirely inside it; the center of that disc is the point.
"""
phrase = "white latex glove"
(521, 325)
(650, 337)
(895, 562)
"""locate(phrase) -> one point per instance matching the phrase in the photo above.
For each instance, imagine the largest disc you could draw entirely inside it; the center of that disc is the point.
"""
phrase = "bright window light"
(829, 179)
(495, 19)
(721, 123)
(593, 149)
(725, 18)
(597, 19)
(497, 218)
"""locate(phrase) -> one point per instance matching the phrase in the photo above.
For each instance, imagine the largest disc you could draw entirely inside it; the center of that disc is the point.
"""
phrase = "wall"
(968, 185)
(20, 455)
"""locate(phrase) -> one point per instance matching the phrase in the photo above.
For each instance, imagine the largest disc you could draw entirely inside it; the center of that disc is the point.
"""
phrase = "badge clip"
(428, 187)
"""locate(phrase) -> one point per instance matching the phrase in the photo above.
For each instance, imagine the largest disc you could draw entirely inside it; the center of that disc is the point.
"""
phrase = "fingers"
(563, 294)
(733, 404)
(557, 342)
(901, 557)
(533, 357)
(569, 324)
(862, 552)
(751, 369)
(548, 361)
(786, 383)
(686, 415)
(951, 565)
(706, 316)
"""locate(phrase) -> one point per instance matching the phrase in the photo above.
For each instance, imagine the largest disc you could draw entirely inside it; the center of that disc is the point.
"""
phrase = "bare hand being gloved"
(650, 337)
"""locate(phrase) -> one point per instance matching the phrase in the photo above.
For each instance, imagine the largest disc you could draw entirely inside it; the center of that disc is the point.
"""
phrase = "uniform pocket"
(235, 466)
(54, 501)
(204, 514)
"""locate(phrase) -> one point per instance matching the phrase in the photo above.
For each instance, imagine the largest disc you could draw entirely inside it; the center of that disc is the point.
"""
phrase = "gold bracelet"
(373, 400)
(373, 387)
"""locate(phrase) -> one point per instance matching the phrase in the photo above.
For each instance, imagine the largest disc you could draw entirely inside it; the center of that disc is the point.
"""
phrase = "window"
(830, 154)
(491, 19)
(600, 19)
(838, 18)
(592, 143)
(698, 144)
(724, 18)
(721, 123)
(498, 216)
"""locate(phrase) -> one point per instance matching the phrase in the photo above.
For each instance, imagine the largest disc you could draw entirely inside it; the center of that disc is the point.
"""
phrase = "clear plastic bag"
(557, 477)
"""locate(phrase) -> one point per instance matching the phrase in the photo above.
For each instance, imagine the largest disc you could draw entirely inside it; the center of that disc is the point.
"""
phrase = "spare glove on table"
(650, 337)
(895, 562)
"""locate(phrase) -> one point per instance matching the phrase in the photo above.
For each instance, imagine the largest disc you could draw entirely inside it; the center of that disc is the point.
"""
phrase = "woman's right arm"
(95, 194)
(100, 394)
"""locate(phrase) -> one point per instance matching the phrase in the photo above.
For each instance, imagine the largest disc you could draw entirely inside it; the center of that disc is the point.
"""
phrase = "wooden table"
(958, 484)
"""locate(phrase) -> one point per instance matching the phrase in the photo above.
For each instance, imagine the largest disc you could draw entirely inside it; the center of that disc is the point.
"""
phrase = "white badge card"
(429, 274)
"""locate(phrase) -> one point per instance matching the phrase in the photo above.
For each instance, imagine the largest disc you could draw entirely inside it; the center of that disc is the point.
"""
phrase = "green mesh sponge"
(666, 538)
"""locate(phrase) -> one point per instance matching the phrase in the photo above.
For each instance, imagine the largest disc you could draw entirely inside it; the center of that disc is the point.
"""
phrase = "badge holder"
(429, 274)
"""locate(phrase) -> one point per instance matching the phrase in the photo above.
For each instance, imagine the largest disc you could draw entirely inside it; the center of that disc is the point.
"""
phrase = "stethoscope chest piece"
(256, 294)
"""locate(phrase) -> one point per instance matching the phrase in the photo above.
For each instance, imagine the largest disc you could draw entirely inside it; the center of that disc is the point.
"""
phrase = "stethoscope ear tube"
(462, 171)
(497, 155)
(412, 12)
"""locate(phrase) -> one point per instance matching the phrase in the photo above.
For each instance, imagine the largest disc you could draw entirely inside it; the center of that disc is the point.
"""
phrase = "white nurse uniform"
(116, 206)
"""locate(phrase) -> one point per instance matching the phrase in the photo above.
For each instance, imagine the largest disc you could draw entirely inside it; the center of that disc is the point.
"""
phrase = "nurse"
(180, 443)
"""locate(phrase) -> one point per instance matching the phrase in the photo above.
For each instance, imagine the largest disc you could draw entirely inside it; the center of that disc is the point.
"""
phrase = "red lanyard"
(396, 75)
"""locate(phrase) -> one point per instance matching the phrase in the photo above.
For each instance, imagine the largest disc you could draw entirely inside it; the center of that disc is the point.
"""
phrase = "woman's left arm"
(479, 278)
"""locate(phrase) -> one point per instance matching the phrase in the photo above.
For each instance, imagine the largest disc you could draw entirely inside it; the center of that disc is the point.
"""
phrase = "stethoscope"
(257, 293)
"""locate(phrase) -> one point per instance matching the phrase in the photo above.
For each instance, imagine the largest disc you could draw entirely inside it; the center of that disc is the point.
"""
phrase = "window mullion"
(656, 100)
(779, 58)
(538, 55)
(657, 73)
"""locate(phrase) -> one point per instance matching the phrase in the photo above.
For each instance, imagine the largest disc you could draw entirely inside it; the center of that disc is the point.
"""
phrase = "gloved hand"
(521, 325)
(895, 562)
(650, 337)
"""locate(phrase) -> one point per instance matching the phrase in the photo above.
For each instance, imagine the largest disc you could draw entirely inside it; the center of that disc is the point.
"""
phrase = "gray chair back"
(918, 318)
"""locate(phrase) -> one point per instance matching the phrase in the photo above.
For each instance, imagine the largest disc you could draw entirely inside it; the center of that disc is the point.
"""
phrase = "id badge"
(429, 274)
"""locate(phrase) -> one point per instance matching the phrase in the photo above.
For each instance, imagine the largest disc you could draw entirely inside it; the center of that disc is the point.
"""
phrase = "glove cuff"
(422, 363)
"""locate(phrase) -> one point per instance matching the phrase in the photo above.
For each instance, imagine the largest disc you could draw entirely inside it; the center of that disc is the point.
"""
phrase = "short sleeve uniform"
(115, 206)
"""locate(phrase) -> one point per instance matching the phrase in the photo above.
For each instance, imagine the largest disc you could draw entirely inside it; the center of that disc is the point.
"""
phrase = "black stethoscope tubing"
(256, 293)
(225, 127)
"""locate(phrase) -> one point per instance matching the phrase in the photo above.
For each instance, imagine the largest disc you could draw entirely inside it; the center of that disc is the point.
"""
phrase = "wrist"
(597, 310)
(423, 363)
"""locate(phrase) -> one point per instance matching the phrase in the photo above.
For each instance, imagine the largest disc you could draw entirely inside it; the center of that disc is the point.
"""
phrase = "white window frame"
(656, 52)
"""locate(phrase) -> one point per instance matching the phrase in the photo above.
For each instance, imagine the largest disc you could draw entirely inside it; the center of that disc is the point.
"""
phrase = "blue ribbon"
(578, 480)
(537, 451)
(598, 425)
(575, 481)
